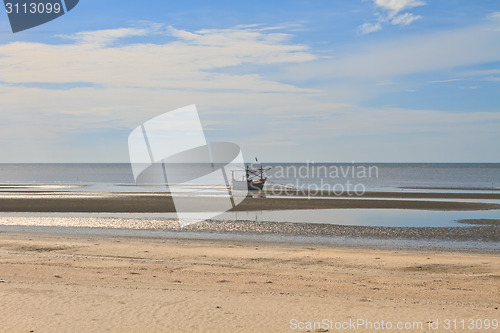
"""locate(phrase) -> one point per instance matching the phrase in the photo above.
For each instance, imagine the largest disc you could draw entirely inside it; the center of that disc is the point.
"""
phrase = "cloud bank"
(78, 100)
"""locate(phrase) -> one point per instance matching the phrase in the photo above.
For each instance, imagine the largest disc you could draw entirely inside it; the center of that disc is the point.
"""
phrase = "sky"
(288, 81)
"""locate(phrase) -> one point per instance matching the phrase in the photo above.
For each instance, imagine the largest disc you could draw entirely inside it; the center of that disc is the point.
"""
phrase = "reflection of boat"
(253, 180)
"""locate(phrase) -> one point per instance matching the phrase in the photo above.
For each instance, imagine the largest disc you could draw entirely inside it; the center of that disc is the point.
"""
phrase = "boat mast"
(260, 169)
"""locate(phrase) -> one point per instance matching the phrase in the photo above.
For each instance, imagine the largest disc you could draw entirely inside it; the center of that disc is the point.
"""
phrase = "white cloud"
(480, 72)
(495, 16)
(367, 28)
(405, 19)
(446, 81)
(492, 75)
(119, 85)
(389, 11)
(396, 6)
(416, 54)
(383, 134)
(192, 61)
(106, 36)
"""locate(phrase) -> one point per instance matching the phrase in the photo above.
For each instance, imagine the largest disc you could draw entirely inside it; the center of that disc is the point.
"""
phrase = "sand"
(492, 222)
(133, 202)
(67, 283)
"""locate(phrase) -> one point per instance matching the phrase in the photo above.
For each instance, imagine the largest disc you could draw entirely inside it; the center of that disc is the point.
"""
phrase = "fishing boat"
(253, 180)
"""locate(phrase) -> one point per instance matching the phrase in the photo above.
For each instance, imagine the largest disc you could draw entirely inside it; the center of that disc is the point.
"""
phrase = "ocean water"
(336, 177)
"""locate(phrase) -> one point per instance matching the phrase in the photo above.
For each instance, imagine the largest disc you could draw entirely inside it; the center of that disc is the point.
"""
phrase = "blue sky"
(333, 81)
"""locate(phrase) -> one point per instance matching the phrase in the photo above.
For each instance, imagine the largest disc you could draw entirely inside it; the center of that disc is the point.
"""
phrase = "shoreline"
(467, 239)
(482, 231)
(476, 232)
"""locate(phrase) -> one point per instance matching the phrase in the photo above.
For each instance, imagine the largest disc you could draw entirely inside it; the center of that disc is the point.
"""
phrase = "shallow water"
(354, 217)
(367, 217)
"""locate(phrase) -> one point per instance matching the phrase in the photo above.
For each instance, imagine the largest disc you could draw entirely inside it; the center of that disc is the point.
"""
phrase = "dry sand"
(61, 283)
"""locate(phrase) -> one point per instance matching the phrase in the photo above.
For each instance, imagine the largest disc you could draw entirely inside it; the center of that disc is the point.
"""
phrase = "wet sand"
(461, 193)
(134, 203)
(63, 283)
(491, 222)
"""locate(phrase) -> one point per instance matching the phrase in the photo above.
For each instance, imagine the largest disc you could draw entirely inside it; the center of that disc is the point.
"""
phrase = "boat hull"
(250, 185)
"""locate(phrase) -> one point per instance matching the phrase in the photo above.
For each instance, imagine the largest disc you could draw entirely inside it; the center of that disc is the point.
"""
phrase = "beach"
(250, 166)
(91, 283)
(82, 261)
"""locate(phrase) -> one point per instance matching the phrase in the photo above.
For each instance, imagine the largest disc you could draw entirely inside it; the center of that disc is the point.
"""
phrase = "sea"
(20, 179)
(370, 177)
